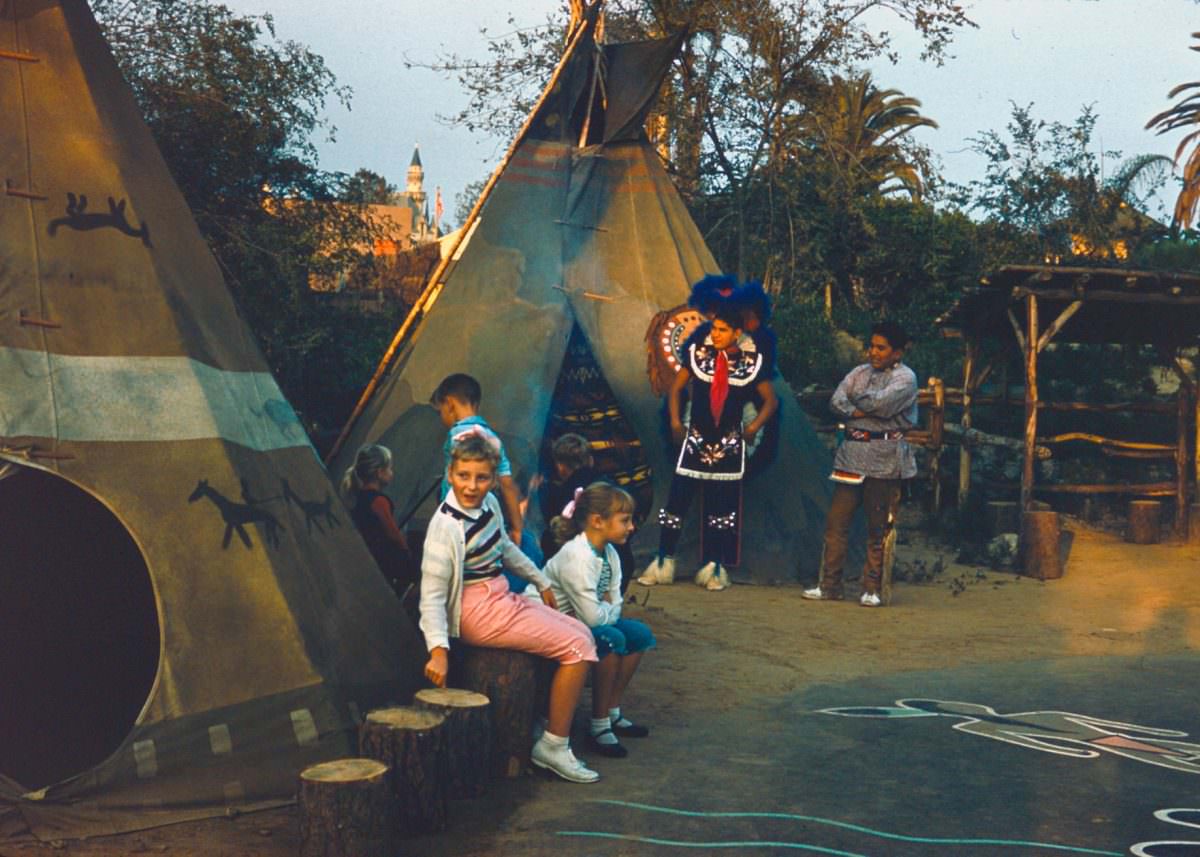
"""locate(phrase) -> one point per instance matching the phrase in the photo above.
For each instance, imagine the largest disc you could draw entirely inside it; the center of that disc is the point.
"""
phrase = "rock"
(1001, 551)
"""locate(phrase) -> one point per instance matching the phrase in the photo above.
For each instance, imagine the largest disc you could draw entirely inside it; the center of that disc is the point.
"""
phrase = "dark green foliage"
(1045, 198)
(1170, 253)
(368, 187)
(234, 112)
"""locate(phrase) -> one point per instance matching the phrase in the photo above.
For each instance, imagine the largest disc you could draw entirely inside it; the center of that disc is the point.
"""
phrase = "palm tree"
(855, 138)
(860, 132)
(1182, 115)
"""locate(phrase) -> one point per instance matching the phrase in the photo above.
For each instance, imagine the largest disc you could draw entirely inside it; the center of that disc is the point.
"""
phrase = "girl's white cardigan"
(574, 574)
(442, 570)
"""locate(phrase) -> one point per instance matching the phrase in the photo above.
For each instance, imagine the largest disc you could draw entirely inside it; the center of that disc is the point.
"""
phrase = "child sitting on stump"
(464, 595)
(585, 576)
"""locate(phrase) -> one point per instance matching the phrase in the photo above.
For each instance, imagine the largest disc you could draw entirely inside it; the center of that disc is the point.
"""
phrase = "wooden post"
(970, 356)
(1145, 522)
(1038, 545)
(468, 737)
(1196, 448)
(1183, 411)
(347, 810)
(509, 680)
(1031, 397)
(412, 741)
(937, 421)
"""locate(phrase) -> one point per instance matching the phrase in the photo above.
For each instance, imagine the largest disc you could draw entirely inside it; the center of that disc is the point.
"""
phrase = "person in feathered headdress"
(720, 378)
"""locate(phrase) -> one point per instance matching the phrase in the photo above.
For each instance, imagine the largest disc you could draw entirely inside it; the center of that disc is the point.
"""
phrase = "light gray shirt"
(888, 398)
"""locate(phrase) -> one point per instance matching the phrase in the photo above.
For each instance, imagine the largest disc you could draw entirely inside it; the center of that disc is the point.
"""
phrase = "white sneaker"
(705, 574)
(719, 581)
(816, 593)
(870, 599)
(562, 761)
(659, 571)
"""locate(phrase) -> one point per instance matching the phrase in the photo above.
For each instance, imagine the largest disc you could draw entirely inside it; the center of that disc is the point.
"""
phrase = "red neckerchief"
(720, 386)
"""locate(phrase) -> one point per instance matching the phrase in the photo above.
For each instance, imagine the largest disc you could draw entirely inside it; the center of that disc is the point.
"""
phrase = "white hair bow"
(569, 509)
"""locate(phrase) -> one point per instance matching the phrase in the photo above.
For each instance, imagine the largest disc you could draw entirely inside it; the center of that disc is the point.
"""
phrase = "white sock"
(602, 731)
(553, 740)
(614, 714)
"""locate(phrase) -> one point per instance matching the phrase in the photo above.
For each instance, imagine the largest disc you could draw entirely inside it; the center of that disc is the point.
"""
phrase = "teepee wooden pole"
(432, 288)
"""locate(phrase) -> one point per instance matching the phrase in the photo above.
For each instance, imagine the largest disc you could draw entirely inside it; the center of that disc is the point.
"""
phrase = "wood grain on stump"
(468, 737)
(347, 810)
(509, 680)
(1039, 545)
(412, 741)
(1145, 522)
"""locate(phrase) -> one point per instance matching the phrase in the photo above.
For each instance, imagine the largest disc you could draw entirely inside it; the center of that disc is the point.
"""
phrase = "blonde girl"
(585, 577)
(465, 597)
(375, 516)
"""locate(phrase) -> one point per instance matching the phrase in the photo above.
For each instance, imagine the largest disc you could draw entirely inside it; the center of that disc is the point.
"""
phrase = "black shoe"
(633, 730)
(613, 751)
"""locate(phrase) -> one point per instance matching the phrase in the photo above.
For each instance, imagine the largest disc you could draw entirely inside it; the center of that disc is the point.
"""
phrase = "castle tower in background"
(417, 201)
(416, 179)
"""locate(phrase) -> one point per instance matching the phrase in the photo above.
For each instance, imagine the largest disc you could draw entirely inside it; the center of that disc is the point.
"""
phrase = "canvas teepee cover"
(187, 615)
(593, 237)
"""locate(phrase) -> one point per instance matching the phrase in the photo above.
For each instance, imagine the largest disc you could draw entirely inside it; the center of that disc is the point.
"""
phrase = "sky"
(1120, 56)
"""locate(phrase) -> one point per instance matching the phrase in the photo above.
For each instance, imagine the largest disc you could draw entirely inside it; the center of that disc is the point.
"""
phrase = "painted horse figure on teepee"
(161, 659)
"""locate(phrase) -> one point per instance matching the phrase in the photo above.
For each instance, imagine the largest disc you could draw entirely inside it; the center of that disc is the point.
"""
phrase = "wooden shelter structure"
(1033, 305)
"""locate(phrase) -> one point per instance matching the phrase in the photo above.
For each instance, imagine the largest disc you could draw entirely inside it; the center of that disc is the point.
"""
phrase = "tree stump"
(347, 810)
(1003, 516)
(412, 741)
(1145, 522)
(509, 680)
(1039, 545)
(468, 737)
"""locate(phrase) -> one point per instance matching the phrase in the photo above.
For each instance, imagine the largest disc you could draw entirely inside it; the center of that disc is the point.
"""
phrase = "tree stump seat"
(510, 681)
(1039, 545)
(1144, 526)
(468, 737)
(347, 810)
(412, 742)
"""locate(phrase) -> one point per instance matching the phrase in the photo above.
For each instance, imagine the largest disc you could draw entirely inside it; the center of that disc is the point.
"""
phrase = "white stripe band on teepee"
(115, 399)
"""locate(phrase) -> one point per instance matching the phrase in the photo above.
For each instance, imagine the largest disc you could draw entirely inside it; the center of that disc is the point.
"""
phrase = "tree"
(860, 131)
(234, 112)
(1045, 195)
(465, 200)
(747, 70)
(369, 188)
(1184, 114)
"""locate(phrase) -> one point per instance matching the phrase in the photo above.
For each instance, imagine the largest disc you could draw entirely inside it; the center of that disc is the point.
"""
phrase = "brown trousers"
(880, 497)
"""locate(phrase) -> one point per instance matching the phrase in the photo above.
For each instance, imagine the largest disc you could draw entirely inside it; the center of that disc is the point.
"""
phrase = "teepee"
(579, 234)
(187, 615)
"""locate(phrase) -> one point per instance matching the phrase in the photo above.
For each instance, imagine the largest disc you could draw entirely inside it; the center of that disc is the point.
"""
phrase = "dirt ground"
(750, 646)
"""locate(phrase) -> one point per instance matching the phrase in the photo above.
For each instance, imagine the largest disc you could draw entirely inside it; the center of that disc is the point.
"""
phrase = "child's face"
(616, 528)
(385, 475)
(723, 335)
(881, 355)
(471, 480)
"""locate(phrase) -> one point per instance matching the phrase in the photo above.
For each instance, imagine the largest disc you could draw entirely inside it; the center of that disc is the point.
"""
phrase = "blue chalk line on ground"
(829, 822)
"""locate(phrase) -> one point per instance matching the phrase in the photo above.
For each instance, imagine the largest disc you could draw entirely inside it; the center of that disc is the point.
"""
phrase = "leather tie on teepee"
(720, 387)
